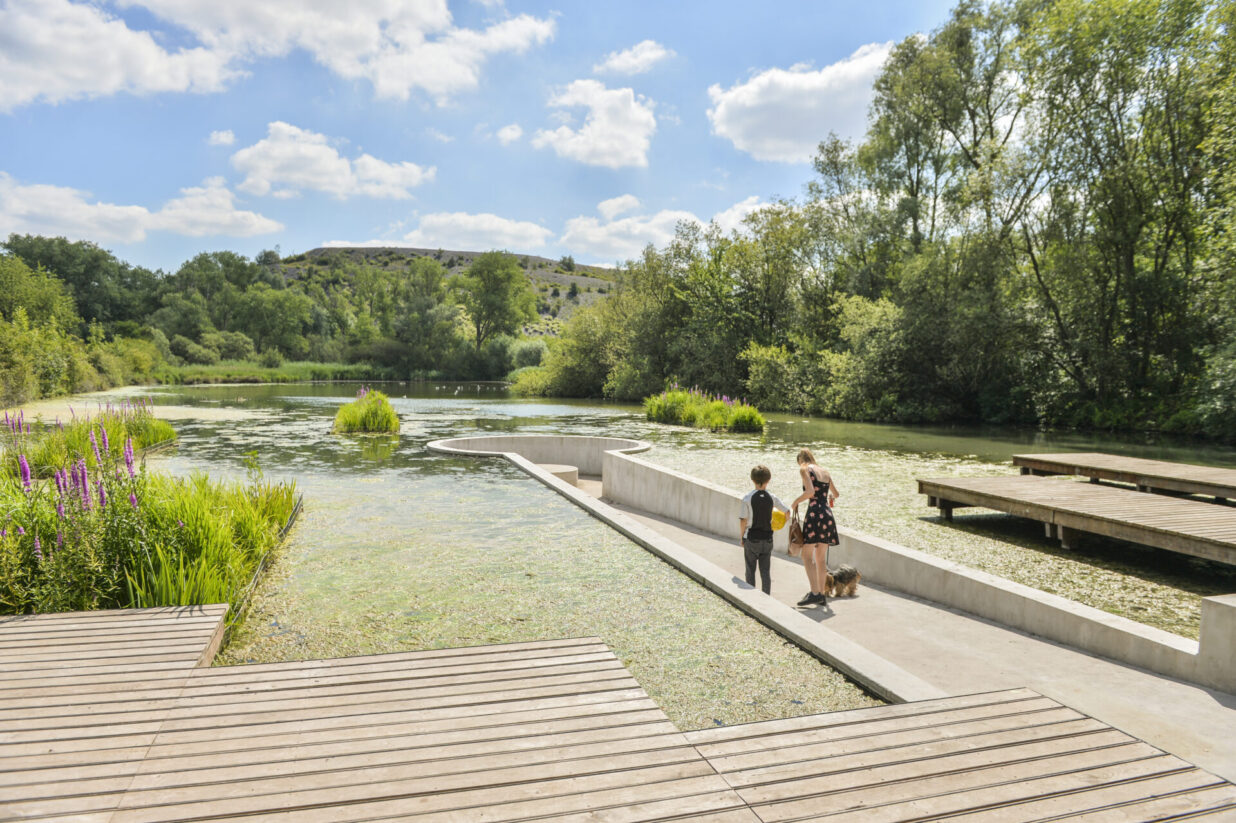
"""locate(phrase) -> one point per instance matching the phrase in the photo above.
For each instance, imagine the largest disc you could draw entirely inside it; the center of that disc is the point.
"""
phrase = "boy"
(757, 541)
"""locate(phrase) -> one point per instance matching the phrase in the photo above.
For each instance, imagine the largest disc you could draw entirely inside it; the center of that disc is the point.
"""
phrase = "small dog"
(844, 581)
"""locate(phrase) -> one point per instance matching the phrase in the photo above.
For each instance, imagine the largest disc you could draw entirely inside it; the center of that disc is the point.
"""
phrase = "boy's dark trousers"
(758, 551)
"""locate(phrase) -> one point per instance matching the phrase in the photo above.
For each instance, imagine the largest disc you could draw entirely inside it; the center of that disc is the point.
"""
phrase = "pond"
(403, 549)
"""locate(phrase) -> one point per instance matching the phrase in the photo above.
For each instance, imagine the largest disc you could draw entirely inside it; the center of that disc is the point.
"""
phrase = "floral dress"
(819, 525)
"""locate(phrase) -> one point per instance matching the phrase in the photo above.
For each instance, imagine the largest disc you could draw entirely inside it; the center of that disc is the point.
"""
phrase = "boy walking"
(755, 532)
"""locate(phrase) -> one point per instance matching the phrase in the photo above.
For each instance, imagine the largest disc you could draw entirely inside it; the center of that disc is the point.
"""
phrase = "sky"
(160, 129)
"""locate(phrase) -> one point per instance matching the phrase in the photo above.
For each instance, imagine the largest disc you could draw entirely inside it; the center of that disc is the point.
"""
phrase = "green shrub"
(370, 412)
(119, 537)
(528, 353)
(271, 359)
(192, 352)
(695, 408)
(533, 381)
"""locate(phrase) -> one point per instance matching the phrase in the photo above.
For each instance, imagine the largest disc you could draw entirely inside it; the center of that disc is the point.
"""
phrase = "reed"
(371, 412)
(47, 447)
(692, 407)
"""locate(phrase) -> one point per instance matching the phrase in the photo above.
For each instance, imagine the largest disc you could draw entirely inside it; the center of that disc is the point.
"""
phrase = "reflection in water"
(400, 548)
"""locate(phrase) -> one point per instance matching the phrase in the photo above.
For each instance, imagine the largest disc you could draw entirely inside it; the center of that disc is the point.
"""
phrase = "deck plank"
(1160, 475)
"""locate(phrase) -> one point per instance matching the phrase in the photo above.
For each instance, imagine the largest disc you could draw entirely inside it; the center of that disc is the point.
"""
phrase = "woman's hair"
(805, 456)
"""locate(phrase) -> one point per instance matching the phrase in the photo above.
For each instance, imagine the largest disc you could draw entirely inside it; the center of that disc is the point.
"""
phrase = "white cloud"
(782, 114)
(608, 239)
(439, 136)
(615, 206)
(476, 232)
(54, 50)
(616, 133)
(636, 60)
(222, 138)
(510, 133)
(290, 159)
(61, 211)
(731, 219)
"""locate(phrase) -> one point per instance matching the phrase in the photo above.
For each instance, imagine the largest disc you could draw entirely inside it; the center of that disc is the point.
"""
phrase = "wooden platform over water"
(1068, 506)
(550, 730)
(1147, 475)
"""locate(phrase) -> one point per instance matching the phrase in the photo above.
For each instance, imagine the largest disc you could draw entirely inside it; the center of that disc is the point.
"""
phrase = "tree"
(496, 294)
(43, 298)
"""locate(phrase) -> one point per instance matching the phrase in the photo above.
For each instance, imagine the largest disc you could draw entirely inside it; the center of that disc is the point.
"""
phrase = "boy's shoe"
(808, 599)
(821, 599)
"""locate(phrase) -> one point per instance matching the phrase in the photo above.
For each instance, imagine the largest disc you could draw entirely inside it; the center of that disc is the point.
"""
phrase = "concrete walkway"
(962, 654)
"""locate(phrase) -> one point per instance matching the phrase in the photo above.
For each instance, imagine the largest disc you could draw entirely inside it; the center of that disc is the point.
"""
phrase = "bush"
(533, 381)
(370, 412)
(192, 352)
(230, 345)
(528, 353)
(695, 408)
(271, 359)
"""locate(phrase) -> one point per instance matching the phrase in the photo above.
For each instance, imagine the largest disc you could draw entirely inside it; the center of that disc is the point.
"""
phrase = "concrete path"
(962, 654)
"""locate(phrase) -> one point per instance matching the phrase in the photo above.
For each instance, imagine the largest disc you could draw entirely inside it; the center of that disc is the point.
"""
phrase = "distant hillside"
(547, 276)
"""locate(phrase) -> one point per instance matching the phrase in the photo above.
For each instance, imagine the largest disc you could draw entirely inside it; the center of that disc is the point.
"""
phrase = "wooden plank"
(1213, 803)
(1154, 474)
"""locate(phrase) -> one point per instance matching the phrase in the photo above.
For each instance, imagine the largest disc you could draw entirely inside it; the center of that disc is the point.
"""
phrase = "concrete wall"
(582, 452)
(639, 484)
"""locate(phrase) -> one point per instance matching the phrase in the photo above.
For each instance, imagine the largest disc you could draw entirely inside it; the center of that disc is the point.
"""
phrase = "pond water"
(402, 549)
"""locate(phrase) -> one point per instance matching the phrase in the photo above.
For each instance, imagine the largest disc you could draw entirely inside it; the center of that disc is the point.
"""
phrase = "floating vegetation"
(370, 412)
(109, 534)
(48, 447)
(692, 407)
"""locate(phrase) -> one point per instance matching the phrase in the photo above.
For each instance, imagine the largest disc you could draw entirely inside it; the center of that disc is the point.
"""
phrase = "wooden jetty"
(548, 730)
(1146, 475)
(1006, 756)
(1066, 507)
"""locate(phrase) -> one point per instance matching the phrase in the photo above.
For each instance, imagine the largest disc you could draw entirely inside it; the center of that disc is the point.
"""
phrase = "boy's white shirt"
(747, 513)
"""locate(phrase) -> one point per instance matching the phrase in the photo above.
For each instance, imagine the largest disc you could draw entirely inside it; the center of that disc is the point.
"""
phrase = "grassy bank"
(120, 537)
(369, 413)
(243, 371)
(692, 407)
(47, 447)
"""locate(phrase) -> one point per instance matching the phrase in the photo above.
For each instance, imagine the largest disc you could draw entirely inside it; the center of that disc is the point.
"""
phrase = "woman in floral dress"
(819, 527)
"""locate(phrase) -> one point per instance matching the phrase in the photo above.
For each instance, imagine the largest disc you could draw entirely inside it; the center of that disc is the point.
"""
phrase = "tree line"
(1038, 226)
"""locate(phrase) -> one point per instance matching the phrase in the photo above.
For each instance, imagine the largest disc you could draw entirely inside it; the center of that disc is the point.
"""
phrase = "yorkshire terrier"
(844, 581)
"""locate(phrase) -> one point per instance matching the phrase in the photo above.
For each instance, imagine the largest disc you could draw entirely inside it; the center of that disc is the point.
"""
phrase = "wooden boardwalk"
(1006, 756)
(1147, 475)
(1067, 506)
(552, 730)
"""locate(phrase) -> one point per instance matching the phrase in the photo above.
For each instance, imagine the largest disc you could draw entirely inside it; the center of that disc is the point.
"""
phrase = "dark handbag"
(796, 536)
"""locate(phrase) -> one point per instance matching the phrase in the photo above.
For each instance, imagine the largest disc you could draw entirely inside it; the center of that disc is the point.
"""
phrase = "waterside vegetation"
(369, 413)
(47, 447)
(692, 407)
(118, 536)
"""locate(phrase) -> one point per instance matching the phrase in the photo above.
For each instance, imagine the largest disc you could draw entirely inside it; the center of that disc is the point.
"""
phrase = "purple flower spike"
(128, 456)
(94, 444)
(107, 447)
(60, 510)
(38, 549)
(133, 500)
(25, 471)
(85, 481)
(21, 531)
(102, 495)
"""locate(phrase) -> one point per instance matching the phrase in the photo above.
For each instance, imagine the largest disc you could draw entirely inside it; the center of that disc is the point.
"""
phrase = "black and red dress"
(819, 525)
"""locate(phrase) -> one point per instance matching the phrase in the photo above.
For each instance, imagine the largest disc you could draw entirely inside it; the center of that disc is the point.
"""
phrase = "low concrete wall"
(585, 453)
(639, 484)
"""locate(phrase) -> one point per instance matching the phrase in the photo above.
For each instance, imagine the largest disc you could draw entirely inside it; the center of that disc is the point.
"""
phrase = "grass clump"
(245, 371)
(369, 413)
(120, 537)
(48, 447)
(692, 407)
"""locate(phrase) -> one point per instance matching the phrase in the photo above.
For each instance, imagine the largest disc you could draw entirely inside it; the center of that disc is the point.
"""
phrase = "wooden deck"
(1147, 475)
(1006, 756)
(551, 730)
(1067, 506)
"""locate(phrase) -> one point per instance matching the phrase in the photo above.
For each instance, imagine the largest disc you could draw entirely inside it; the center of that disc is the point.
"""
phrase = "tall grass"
(370, 412)
(692, 407)
(243, 371)
(118, 536)
(48, 447)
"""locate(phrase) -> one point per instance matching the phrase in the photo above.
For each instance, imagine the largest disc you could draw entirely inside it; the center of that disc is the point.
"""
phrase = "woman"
(819, 527)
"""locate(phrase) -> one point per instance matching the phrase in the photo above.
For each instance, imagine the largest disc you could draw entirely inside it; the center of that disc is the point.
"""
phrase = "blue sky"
(163, 128)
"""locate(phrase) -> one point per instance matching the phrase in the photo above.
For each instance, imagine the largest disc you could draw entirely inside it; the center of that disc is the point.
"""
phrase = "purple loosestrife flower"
(59, 540)
(25, 471)
(85, 481)
(21, 531)
(128, 456)
(38, 549)
(107, 447)
(94, 444)
(133, 500)
(102, 495)
(60, 509)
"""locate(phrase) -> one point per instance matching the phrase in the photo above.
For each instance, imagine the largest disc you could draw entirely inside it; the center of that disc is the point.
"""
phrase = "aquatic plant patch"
(692, 407)
(113, 535)
(370, 413)
(48, 447)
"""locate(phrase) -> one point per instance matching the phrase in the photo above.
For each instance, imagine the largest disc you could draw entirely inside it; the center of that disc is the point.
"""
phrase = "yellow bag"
(778, 520)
